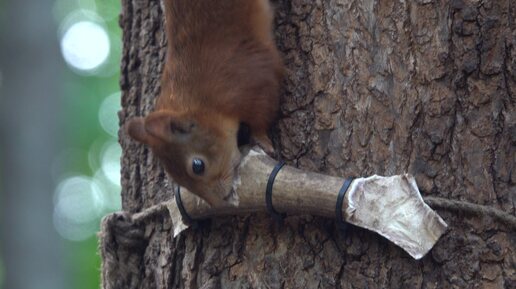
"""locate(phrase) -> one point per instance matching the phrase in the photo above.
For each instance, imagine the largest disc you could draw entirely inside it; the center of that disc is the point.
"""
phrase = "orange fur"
(222, 69)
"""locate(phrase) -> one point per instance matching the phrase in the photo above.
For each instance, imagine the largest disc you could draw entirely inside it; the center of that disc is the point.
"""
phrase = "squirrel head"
(199, 152)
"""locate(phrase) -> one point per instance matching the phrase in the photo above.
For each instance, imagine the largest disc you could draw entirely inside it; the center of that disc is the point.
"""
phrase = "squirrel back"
(222, 69)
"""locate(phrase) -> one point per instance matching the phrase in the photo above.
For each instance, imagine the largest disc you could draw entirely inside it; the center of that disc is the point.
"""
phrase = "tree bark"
(373, 87)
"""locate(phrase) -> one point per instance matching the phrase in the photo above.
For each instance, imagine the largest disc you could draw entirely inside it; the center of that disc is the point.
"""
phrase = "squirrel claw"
(265, 143)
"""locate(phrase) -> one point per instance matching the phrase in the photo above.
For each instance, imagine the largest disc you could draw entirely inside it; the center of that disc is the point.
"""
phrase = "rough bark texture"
(374, 87)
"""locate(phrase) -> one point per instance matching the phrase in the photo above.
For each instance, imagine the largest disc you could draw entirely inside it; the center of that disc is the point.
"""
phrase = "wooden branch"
(390, 206)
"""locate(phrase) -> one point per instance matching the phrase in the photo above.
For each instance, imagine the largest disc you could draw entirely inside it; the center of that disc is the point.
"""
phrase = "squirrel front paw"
(265, 143)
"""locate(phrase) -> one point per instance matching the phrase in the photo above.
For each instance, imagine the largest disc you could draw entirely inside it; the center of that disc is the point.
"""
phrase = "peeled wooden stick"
(390, 206)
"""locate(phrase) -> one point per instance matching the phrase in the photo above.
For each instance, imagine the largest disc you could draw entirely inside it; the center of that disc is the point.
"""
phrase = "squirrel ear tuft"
(166, 126)
(135, 128)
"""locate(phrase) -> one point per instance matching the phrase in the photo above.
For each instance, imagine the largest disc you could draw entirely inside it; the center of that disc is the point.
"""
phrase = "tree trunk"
(373, 87)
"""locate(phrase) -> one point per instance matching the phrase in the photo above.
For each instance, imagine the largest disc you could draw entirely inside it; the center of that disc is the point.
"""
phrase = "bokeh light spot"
(112, 192)
(78, 203)
(85, 45)
(110, 162)
(108, 114)
(87, 4)
(95, 153)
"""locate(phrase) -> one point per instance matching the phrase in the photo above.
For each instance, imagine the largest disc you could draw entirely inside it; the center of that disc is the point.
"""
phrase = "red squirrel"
(222, 70)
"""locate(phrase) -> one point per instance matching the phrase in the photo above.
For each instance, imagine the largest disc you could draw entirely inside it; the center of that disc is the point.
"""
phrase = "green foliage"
(2, 271)
(81, 98)
(84, 264)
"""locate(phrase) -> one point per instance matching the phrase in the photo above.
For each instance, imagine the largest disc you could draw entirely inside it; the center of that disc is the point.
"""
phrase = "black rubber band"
(341, 224)
(186, 218)
(268, 194)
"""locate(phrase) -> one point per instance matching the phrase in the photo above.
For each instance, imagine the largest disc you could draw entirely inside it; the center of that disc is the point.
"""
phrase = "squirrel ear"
(165, 126)
(135, 128)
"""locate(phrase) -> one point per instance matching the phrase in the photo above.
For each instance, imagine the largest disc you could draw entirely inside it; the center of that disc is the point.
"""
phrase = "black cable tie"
(268, 194)
(186, 218)
(341, 223)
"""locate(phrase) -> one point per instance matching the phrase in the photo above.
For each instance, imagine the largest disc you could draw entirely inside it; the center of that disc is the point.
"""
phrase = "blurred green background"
(59, 154)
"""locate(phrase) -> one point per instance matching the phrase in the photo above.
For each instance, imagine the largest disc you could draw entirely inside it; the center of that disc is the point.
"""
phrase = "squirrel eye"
(197, 166)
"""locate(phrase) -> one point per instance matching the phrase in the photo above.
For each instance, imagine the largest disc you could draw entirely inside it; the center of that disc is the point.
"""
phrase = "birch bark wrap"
(390, 206)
